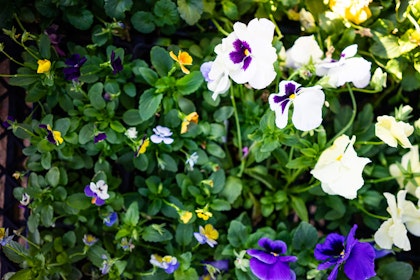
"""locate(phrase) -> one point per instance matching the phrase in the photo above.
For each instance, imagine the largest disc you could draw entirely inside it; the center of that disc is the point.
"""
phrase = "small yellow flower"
(143, 146)
(356, 11)
(44, 66)
(210, 232)
(203, 214)
(192, 117)
(185, 216)
(183, 58)
(56, 135)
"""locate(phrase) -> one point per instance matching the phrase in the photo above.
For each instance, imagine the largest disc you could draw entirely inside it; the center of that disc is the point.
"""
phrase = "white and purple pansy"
(307, 103)
(98, 192)
(248, 53)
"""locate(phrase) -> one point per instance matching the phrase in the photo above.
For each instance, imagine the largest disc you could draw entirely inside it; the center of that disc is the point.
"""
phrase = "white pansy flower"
(192, 160)
(131, 133)
(404, 216)
(216, 75)
(410, 164)
(340, 169)
(392, 132)
(307, 103)
(248, 53)
(347, 69)
(304, 50)
(162, 134)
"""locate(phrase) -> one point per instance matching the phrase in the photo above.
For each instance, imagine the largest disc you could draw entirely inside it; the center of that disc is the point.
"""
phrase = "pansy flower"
(340, 169)
(116, 63)
(55, 38)
(89, 239)
(216, 75)
(5, 238)
(131, 133)
(7, 123)
(54, 136)
(190, 118)
(25, 200)
(248, 53)
(347, 69)
(213, 268)
(111, 219)
(168, 263)
(304, 50)
(145, 142)
(307, 105)
(271, 263)
(98, 192)
(358, 258)
(406, 172)
(192, 160)
(106, 264)
(99, 136)
(354, 11)
(404, 216)
(393, 132)
(44, 65)
(162, 134)
(204, 214)
(127, 245)
(182, 59)
(207, 234)
(72, 71)
(185, 216)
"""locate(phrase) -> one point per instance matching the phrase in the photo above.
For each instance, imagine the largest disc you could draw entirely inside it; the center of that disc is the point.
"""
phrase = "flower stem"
(220, 28)
(360, 207)
(301, 190)
(238, 126)
(12, 59)
(279, 34)
(353, 116)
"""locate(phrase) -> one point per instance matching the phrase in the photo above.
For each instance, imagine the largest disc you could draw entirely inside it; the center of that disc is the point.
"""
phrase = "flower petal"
(360, 264)
(277, 271)
(307, 108)
(262, 256)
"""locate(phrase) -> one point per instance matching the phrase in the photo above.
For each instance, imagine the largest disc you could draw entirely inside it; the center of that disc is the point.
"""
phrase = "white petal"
(307, 108)
(168, 140)
(382, 237)
(349, 51)
(282, 116)
(156, 139)
(399, 234)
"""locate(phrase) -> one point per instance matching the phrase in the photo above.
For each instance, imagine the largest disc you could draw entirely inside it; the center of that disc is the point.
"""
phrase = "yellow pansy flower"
(203, 214)
(185, 216)
(44, 65)
(183, 58)
(192, 117)
(356, 11)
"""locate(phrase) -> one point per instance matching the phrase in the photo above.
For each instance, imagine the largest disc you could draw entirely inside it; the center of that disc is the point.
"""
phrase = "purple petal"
(200, 238)
(332, 247)
(222, 265)
(99, 201)
(274, 246)
(262, 256)
(360, 264)
(247, 62)
(89, 192)
(274, 271)
(290, 88)
(334, 273)
(99, 137)
(351, 241)
(111, 219)
(172, 267)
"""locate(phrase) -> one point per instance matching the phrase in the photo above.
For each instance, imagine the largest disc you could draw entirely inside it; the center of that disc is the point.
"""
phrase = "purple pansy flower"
(111, 219)
(99, 137)
(168, 263)
(5, 238)
(55, 38)
(98, 192)
(53, 136)
(271, 264)
(357, 258)
(211, 269)
(72, 72)
(116, 64)
(6, 123)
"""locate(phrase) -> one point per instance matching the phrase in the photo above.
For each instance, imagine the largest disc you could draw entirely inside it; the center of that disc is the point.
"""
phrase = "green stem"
(353, 116)
(379, 180)
(302, 190)
(221, 30)
(12, 59)
(360, 207)
(369, 143)
(276, 27)
(238, 126)
(17, 75)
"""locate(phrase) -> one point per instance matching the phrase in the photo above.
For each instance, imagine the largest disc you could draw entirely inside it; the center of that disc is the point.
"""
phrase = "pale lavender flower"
(162, 134)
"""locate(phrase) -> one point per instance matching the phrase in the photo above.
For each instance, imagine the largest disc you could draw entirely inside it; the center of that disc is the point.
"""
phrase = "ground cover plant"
(197, 139)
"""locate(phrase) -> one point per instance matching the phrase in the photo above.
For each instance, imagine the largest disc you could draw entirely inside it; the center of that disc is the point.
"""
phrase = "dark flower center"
(242, 53)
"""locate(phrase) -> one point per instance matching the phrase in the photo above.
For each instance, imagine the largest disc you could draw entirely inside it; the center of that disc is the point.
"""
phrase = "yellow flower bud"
(44, 66)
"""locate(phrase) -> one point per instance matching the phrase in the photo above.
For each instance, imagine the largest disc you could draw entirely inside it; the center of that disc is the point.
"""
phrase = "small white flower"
(131, 133)
(410, 164)
(168, 263)
(392, 132)
(162, 134)
(248, 53)
(192, 160)
(404, 215)
(307, 103)
(347, 69)
(100, 188)
(304, 50)
(25, 199)
(340, 169)
(216, 75)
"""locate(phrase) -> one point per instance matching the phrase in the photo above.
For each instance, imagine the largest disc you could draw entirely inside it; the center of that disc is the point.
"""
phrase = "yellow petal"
(44, 66)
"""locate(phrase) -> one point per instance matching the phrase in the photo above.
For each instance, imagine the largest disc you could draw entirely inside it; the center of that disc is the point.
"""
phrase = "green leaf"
(80, 18)
(149, 103)
(53, 176)
(166, 13)
(132, 215)
(305, 237)
(46, 160)
(130, 89)
(143, 22)
(33, 222)
(47, 213)
(386, 47)
(183, 234)
(132, 117)
(230, 10)
(161, 60)
(190, 10)
(169, 163)
(232, 189)
(299, 206)
(14, 251)
(220, 205)
(148, 75)
(190, 273)
(156, 233)
(189, 83)
(117, 8)
(237, 234)
(215, 150)
(223, 113)
(22, 274)
(117, 126)
(395, 270)
(78, 201)
(86, 133)
(44, 44)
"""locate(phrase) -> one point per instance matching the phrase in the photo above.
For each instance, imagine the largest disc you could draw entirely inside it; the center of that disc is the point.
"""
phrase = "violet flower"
(55, 38)
(116, 64)
(72, 72)
(5, 238)
(99, 137)
(111, 219)
(270, 263)
(98, 192)
(7, 123)
(357, 258)
(211, 269)
(162, 134)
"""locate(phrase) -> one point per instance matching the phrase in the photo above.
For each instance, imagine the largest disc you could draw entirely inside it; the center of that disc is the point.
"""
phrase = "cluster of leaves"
(268, 192)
